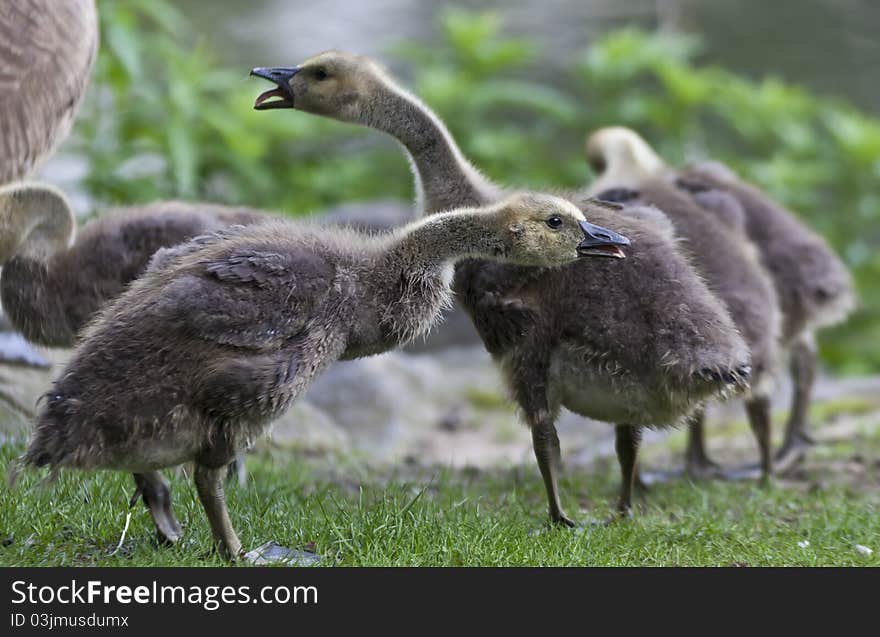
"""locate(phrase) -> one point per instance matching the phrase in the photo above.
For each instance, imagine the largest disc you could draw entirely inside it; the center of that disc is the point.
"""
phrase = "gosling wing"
(251, 299)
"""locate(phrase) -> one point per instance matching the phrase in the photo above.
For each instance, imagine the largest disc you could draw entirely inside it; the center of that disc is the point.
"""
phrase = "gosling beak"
(600, 242)
(280, 75)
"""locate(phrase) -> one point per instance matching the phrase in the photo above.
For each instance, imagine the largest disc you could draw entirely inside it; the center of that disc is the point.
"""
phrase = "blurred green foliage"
(164, 121)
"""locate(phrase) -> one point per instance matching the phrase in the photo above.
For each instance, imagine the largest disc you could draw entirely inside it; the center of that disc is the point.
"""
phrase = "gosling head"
(546, 230)
(619, 153)
(332, 84)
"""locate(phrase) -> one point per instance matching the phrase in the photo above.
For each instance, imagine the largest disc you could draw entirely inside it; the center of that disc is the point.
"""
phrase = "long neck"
(418, 270)
(444, 178)
(427, 246)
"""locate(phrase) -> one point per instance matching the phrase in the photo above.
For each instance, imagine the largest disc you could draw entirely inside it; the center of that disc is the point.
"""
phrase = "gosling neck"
(444, 178)
(427, 247)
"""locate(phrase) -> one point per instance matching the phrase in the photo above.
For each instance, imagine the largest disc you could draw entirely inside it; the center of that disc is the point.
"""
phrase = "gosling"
(636, 354)
(54, 282)
(224, 332)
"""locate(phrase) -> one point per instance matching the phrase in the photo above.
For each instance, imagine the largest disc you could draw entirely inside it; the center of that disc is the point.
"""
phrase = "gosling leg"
(803, 373)
(156, 493)
(209, 484)
(758, 410)
(697, 463)
(626, 444)
(545, 443)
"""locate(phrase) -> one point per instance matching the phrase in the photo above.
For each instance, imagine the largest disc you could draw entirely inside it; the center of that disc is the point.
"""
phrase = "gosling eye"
(554, 222)
(321, 74)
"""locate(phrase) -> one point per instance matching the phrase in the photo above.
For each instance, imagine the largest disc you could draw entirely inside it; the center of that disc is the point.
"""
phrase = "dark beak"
(280, 76)
(600, 242)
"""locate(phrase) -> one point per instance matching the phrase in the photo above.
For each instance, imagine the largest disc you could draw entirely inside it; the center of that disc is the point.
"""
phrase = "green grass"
(358, 515)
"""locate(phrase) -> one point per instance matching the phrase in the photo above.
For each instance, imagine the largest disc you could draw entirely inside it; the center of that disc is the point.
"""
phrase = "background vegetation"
(165, 120)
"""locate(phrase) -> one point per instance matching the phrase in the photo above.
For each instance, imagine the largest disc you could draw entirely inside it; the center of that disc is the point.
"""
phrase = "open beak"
(279, 75)
(600, 242)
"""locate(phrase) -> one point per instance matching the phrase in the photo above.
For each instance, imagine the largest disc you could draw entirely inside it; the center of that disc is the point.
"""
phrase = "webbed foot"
(562, 520)
(558, 521)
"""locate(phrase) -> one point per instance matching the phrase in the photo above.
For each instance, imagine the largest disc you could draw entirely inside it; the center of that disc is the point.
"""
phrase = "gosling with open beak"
(281, 76)
(601, 242)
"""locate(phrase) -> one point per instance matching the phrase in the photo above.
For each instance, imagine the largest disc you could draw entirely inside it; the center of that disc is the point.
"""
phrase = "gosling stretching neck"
(438, 164)
(440, 240)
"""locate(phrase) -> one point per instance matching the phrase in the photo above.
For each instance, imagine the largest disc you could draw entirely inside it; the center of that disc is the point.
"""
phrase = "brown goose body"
(814, 287)
(601, 341)
(729, 264)
(49, 299)
(47, 48)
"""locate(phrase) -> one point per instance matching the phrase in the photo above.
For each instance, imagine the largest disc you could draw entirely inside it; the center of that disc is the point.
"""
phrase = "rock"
(273, 553)
(21, 388)
(15, 350)
(377, 400)
(306, 427)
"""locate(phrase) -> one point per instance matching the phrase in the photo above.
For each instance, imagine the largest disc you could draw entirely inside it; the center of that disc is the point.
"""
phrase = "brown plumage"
(630, 172)
(224, 332)
(605, 341)
(814, 287)
(52, 286)
(47, 48)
